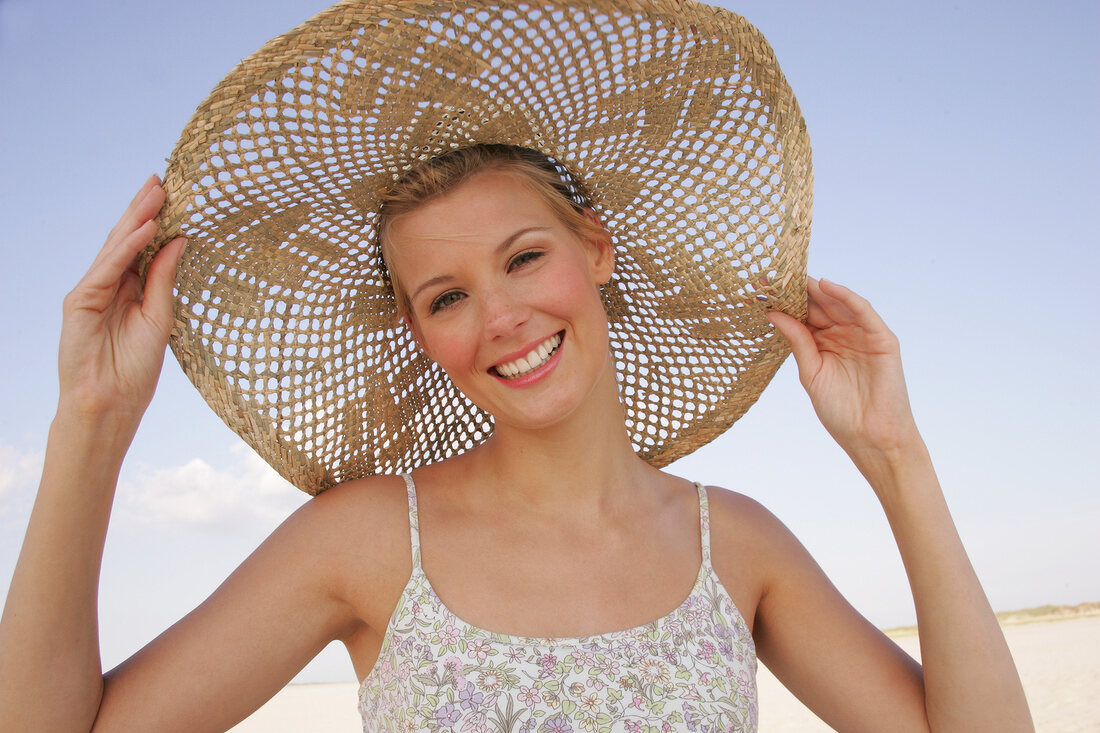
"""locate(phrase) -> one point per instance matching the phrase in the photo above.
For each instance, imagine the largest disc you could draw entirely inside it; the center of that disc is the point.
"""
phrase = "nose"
(504, 310)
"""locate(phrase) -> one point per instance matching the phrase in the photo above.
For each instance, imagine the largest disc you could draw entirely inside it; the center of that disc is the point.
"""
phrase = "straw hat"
(672, 114)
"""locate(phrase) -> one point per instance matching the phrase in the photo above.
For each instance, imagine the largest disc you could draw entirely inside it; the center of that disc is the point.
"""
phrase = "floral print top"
(692, 670)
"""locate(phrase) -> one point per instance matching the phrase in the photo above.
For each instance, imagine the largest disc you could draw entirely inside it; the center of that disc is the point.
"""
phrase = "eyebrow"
(499, 248)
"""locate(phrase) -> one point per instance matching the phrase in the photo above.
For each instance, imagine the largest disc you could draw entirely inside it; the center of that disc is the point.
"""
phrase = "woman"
(551, 538)
(504, 533)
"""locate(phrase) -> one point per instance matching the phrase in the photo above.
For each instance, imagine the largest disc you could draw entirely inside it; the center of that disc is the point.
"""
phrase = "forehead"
(481, 208)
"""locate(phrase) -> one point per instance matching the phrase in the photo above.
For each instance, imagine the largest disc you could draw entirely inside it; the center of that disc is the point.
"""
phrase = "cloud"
(197, 493)
(19, 474)
(194, 493)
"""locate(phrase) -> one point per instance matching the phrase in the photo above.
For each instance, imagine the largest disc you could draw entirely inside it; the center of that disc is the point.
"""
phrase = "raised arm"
(112, 345)
(850, 365)
(229, 655)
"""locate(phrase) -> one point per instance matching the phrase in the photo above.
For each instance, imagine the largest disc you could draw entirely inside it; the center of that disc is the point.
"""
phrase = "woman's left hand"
(850, 364)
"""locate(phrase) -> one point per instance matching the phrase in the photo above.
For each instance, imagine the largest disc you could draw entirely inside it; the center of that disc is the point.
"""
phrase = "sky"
(955, 160)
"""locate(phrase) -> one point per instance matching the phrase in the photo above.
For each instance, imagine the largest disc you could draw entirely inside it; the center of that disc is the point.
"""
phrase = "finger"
(115, 260)
(816, 314)
(856, 308)
(159, 301)
(756, 292)
(833, 301)
(802, 344)
(142, 209)
(150, 182)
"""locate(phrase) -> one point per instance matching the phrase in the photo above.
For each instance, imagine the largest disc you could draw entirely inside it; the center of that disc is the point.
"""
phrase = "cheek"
(451, 348)
(575, 293)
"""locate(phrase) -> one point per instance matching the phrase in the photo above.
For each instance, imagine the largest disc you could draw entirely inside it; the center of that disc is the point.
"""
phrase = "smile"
(534, 359)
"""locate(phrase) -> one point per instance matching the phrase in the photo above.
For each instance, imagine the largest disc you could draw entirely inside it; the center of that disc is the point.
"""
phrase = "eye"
(524, 258)
(446, 300)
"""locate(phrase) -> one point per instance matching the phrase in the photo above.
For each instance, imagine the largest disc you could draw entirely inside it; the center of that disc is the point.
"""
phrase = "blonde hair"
(543, 175)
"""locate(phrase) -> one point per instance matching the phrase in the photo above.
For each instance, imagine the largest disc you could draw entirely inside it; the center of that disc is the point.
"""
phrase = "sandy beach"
(1059, 663)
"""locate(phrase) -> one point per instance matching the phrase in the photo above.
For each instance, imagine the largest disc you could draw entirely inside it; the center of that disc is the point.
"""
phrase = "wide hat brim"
(675, 118)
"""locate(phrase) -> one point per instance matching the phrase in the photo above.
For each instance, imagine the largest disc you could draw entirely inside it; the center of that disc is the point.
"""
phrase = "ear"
(415, 331)
(601, 251)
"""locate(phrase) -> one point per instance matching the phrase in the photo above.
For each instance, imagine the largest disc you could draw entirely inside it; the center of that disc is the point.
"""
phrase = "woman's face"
(505, 298)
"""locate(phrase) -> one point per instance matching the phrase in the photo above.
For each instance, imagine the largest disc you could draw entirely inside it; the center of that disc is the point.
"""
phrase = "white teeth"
(533, 360)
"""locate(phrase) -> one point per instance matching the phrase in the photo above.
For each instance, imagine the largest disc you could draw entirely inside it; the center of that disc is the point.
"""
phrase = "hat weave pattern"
(673, 116)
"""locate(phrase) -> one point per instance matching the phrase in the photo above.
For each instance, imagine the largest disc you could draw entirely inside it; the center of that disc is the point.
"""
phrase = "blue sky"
(956, 160)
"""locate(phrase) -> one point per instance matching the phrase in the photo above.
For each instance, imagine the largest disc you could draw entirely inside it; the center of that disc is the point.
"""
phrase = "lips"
(532, 360)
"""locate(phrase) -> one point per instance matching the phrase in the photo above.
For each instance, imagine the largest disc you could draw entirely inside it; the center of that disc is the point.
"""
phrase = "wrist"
(99, 434)
(887, 443)
(890, 467)
(84, 455)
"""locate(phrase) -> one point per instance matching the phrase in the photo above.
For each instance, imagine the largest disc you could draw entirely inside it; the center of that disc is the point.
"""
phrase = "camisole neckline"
(418, 573)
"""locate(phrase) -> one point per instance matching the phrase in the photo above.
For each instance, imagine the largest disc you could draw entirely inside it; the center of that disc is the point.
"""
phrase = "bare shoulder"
(367, 517)
(742, 521)
(732, 506)
(358, 534)
(749, 547)
(371, 505)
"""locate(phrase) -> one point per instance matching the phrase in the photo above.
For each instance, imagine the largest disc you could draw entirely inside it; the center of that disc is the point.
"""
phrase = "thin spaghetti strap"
(704, 522)
(414, 521)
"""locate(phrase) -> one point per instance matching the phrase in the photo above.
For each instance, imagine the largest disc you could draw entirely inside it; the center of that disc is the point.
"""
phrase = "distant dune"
(1025, 616)
(1048, 613)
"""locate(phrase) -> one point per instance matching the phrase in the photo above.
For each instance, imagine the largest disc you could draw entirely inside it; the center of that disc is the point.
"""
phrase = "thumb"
(802, 344)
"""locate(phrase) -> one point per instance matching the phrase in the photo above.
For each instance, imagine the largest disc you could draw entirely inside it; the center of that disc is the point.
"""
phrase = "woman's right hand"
(113, 332)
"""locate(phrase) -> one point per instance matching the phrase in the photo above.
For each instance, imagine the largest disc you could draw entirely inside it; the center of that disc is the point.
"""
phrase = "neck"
(584, 462)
